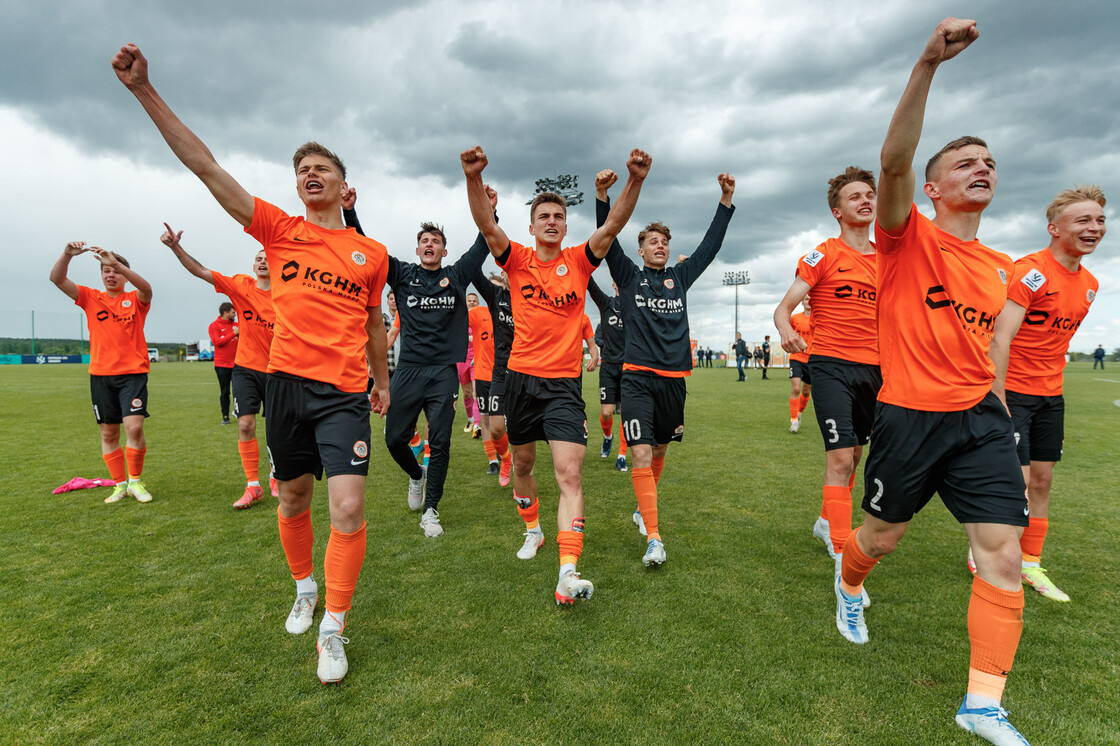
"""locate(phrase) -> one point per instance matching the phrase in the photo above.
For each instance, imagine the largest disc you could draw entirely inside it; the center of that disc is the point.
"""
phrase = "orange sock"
(135, 459)
(250, 458)
(838, 513)
(1034, 535)
(607, 423)
(571, 543)
(804, 403)
(658, 466)
(427, 449)
(501, 446)
(854, 566)
(995, 623)
(491, 453)
(115, 462)
(415, 439)
(645, 489)
(529, 508)
(623, 446)
(342, 565)
(794, 412)
(297, 539)
(851, 484)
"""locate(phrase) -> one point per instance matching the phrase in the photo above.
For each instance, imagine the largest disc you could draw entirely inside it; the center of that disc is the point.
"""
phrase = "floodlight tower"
(742, 277)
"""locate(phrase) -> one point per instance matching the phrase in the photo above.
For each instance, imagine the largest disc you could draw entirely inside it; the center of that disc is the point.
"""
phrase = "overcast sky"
(783, 95)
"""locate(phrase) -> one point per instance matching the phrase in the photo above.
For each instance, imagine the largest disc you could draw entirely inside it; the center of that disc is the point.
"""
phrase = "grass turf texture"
(163, 623)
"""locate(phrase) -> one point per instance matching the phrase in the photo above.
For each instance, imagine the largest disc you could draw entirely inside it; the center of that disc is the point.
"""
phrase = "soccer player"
(118, 362)
(481, 325)
(223, 336)
(1049, 296)
(544, 395)
(938, 426)
(839, 278)
(658, 354)
(800, 380)
(610, 370)
(495, 291)
(252, 304)
(327, 301)
(465, 372)
(765, 356)
(433, 322)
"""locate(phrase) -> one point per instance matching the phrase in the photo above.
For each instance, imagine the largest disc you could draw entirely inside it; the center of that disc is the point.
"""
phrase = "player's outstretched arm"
(143, 288)
(171, 239)
(61, 267)
(791, 340)
(131, 68)
(376, 347)
(710, 245)
(896, 181)
(1007, 326)
(593, 350)
(638, 167)
(482, 210)
(350, 212)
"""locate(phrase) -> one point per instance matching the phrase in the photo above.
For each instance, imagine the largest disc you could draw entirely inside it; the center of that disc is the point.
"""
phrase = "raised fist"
(474, 160)
(131, 66)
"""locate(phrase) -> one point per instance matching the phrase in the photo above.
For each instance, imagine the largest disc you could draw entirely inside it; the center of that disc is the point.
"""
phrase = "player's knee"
(134, 431)
(247, 427)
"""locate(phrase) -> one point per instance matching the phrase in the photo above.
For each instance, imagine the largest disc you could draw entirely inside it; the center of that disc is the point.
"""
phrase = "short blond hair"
(654, 227)
(314, 148)
(851, 175)
(1066, 197)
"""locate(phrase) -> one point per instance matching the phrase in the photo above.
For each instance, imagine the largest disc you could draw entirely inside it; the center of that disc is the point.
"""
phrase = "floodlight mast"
(742, 277)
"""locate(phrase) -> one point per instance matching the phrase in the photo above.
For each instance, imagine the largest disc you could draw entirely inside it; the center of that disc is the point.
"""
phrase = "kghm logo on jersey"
(812, 258)
(358, 258)
(320, 279)
(861, 294)
(102, 315)
(1033, 280)
(659, 305)
(973, 319)
(531, 292)
(361, 450)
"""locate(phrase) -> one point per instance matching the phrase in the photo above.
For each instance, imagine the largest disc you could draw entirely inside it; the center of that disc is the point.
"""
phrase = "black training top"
(654, 303)
(501, 311)
(612, 341)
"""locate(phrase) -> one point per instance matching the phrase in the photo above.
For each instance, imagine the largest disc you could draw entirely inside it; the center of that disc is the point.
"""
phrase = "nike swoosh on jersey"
(1053, 293)
(844, 269)
(297, 239)
(136, 409)
(358, 463)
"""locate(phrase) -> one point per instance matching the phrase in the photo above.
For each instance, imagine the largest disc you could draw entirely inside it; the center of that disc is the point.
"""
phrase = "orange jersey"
(938, 301)
(116, 332)
(804, 327)
(323, 282)
(255, 318)
(548, 301)
(843, 289)
(1056, 301)
(482, 332)
(587, 330)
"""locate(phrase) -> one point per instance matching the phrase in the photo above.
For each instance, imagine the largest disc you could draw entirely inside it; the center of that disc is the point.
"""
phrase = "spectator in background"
(223, 335)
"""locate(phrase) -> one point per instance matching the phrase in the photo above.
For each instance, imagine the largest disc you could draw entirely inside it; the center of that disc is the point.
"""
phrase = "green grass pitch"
(163, 623)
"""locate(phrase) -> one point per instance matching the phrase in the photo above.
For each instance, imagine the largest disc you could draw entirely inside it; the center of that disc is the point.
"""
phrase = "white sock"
(307, 586)
(333, 622)
(1031, 564)
(978, 701)
(255, 483)
(566, 568)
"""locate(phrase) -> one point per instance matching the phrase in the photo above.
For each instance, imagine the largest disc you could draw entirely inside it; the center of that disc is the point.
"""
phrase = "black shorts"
(610, 383)
(482, 397)
(1039, 426)
(313, 427)
(544, 409)
(653, 407)
(248, 390)
(844, 397)
(117, 397)
(498, 393)
(967, 457)
(798, 369)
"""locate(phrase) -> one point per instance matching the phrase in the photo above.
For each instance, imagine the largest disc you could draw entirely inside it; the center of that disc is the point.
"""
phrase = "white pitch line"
(1106, 380)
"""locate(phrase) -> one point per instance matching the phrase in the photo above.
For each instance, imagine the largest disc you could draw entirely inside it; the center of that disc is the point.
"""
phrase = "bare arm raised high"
(896, 181)
(171, 239)
(131, 68)
(61, 267)
(638, 166)
(481, 204)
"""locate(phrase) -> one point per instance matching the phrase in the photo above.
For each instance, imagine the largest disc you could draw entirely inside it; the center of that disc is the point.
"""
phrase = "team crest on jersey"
(669, 284)
(562, 270)
(137, 403)
(1002, 276)
(358, 258)
(444, 282)
(679, 430)
(126, 304)
(1090, 295)
(1034, 280)
(812, 258)
(361, 450)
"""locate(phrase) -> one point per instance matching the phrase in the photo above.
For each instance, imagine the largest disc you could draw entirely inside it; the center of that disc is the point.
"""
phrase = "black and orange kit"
(938, 427)
(658, 353)
(118, 354)
(324, 283)
(614, 336)
(501, 317)
(256, 320)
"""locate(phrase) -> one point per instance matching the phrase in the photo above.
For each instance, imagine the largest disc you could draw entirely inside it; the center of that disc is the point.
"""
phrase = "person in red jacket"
(223, 335)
